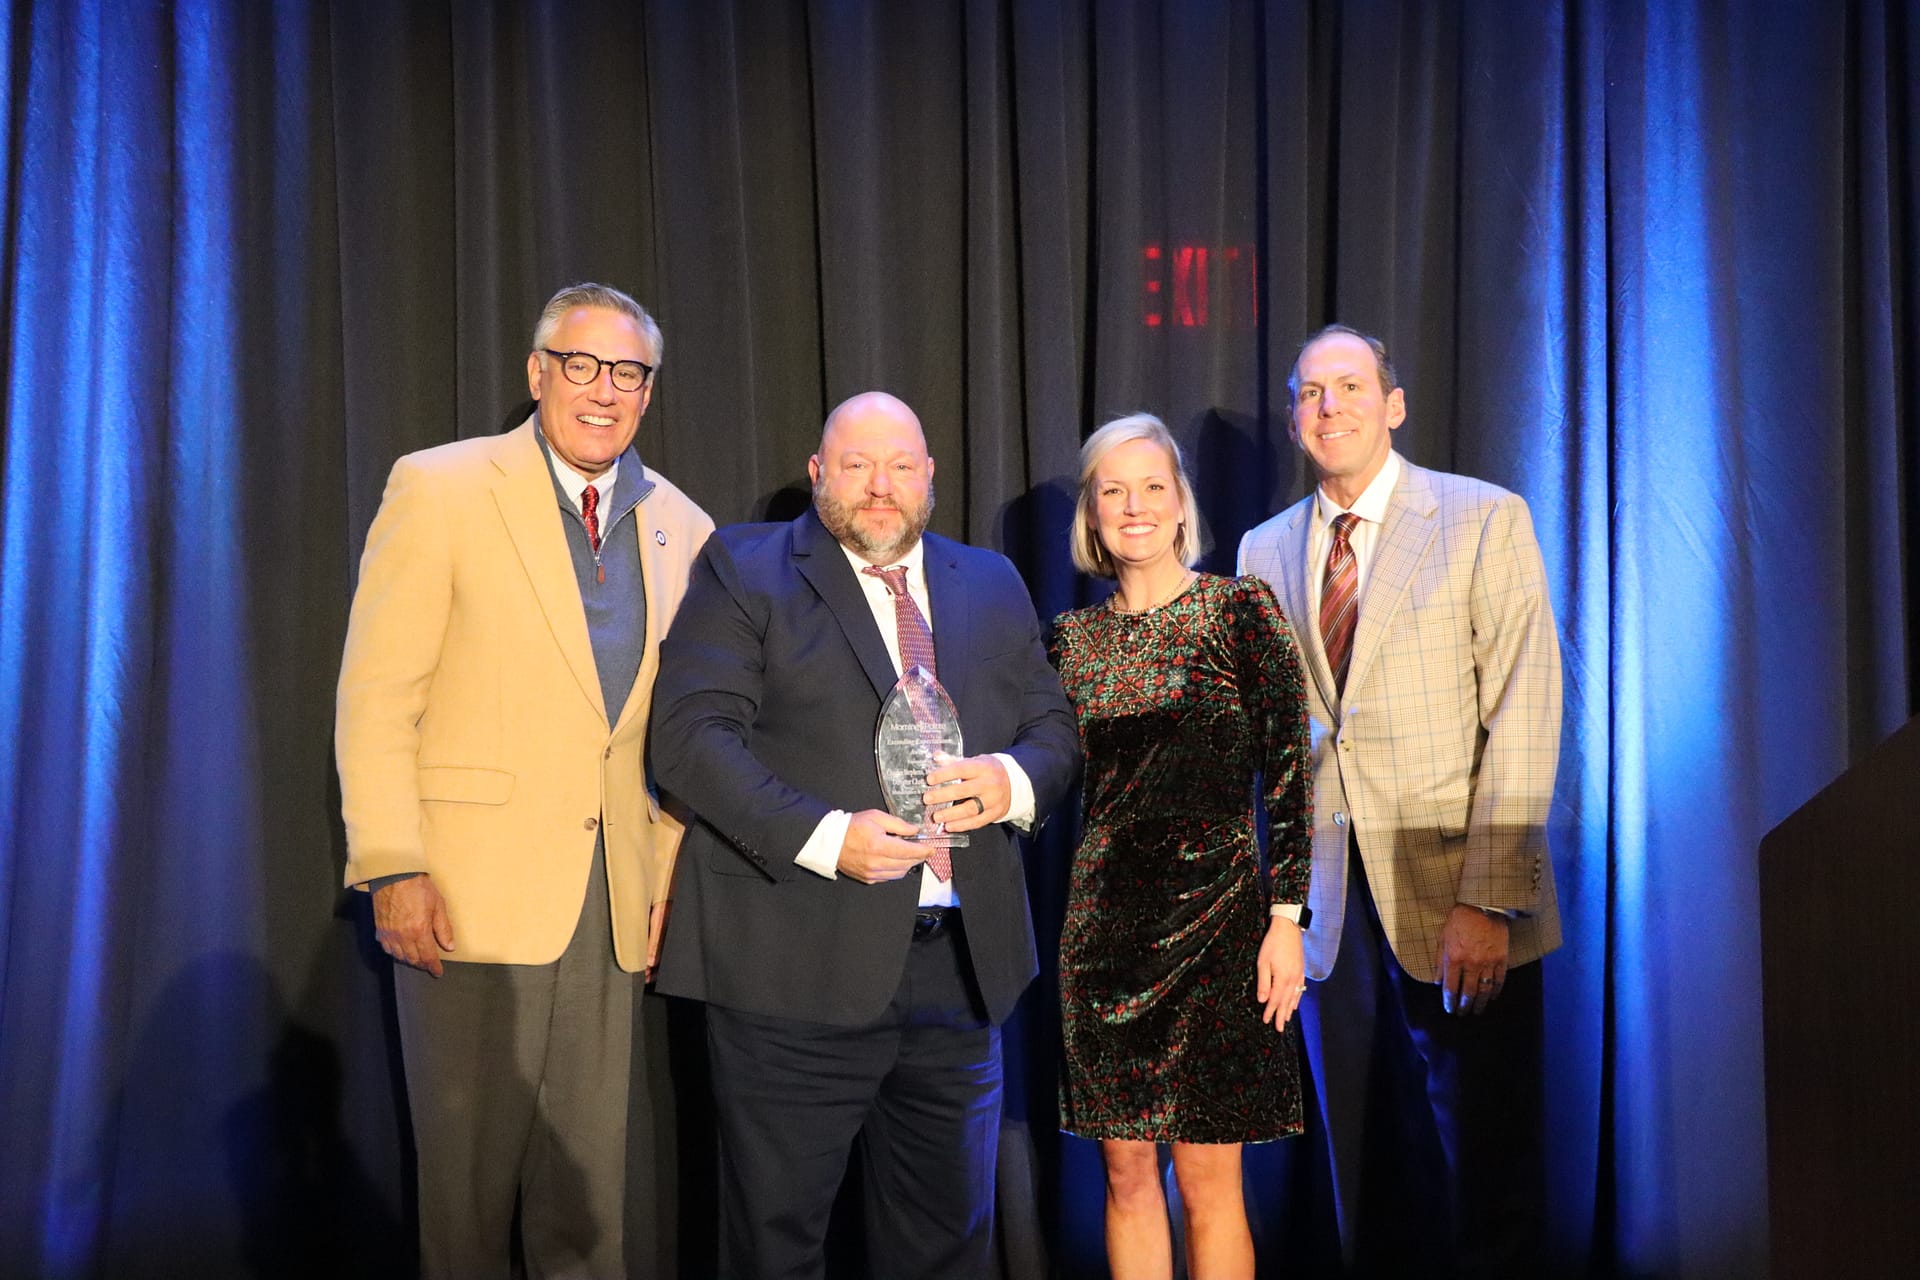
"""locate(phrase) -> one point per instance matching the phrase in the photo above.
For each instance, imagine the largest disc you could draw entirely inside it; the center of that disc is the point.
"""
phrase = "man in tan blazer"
(491, 732)
(1420, 607)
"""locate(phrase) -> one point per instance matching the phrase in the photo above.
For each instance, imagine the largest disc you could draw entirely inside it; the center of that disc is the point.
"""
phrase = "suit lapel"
(523, 492)
(653, 571)
(1408, 532)
(947, 593)
(819, 559)
(1290, 582)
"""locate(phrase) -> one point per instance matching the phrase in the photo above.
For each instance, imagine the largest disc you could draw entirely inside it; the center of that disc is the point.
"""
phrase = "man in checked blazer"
(491, 733)
(1434, 754)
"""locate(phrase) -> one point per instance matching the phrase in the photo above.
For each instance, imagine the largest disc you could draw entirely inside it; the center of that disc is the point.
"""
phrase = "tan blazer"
(1442, 754)
(470, 734)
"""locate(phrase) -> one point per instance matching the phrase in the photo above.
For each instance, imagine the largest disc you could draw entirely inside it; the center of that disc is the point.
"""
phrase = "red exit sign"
(1194, 286)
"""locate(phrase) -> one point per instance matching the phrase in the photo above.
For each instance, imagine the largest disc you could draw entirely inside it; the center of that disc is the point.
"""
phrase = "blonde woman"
(1179, 968)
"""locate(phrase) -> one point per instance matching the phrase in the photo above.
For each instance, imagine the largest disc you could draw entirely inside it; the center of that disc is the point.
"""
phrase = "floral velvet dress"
(1181, 708)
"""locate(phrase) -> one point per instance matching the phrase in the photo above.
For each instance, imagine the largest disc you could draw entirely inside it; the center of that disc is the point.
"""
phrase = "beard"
(842, 521)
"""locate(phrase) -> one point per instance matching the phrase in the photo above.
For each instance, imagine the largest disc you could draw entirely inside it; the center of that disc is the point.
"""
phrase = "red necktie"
(1340, 600)
(590, 511)
(916, 650)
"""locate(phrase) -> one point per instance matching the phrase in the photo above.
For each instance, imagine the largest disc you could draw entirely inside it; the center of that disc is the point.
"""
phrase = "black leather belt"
(929, 921)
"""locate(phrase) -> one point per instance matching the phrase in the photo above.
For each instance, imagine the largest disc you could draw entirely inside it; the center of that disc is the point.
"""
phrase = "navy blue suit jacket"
(764, 709)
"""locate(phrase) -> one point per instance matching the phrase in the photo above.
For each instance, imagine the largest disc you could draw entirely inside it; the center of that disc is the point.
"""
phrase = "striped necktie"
(1340, 600)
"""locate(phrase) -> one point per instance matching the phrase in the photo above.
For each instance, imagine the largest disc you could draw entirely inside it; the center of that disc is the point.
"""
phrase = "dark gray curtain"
(1652, 265)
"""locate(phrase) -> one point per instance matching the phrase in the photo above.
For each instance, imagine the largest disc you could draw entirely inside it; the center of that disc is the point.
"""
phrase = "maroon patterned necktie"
(916, 650)
(590, 512)
(910, 628)
(1340, 600)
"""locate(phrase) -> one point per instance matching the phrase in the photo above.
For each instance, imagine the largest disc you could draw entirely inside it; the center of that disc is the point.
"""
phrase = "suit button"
(591, 823)
(608, 755)
(1339, 819)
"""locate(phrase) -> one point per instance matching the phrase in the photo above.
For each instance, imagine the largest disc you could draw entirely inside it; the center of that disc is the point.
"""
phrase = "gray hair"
(1089, 553)
(607, 298)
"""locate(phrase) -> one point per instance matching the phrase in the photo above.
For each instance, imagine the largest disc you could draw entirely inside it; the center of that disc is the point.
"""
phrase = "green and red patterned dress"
(1180, 708)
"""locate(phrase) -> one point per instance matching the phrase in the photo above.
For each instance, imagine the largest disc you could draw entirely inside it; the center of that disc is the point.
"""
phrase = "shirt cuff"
(821, 853)
(1020, 787)
(1504, 913)
(1291, 910)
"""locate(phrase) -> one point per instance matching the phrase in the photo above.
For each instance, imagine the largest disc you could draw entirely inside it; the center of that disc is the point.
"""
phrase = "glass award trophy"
(917, 723)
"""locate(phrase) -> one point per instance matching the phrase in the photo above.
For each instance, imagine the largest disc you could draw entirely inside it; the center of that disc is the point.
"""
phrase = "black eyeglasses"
(582, 368)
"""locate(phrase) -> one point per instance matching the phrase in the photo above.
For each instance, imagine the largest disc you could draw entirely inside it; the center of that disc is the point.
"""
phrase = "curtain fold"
(1651, 265)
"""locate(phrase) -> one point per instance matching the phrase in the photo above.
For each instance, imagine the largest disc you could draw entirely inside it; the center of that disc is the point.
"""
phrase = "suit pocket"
(1450, 812)
(717, 855)
(464, 785)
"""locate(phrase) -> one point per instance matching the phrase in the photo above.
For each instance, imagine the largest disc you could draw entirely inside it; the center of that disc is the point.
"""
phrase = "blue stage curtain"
(1760, 238)
(175, 995)
(1654, 264)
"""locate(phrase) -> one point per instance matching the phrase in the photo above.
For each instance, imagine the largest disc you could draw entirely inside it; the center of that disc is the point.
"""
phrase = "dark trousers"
(1369, 1029)
(917, 1092)
(517, 1079)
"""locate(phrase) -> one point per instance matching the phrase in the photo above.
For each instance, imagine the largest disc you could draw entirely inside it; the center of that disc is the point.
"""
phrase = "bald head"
(870, 410)
(872, 478)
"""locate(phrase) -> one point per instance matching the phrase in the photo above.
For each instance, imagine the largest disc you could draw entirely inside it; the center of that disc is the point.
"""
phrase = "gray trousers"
(518, 1078)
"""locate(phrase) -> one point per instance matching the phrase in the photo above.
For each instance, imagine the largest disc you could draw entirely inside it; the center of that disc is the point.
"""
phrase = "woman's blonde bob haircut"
(1089, 553)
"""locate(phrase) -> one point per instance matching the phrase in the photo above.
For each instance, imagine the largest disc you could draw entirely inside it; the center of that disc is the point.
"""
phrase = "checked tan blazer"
(1442, 754)
(470, 731)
